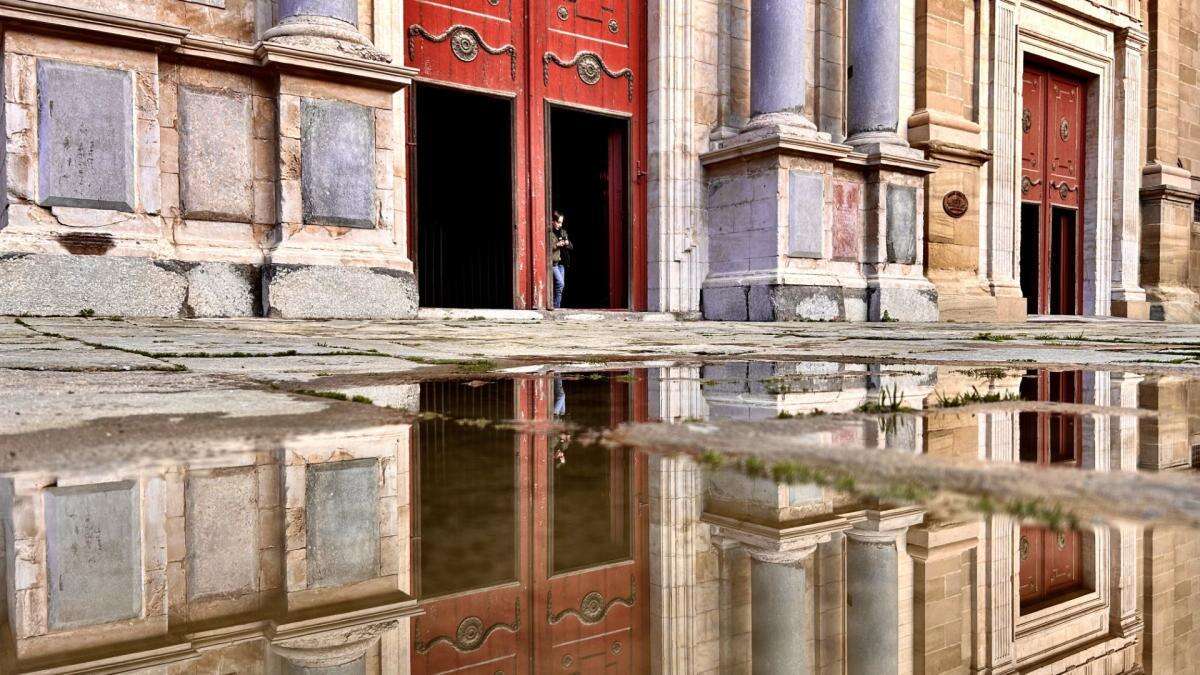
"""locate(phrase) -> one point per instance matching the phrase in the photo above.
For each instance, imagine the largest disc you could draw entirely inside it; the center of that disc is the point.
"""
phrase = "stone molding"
(181, 40)
(784, 544)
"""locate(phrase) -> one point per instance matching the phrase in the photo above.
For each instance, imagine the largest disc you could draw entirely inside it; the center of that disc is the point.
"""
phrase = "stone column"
(879, 593)
(873, 110)
(314, 23)
(1128, 297)
(778, 67)
(781, 628)
(943, 560)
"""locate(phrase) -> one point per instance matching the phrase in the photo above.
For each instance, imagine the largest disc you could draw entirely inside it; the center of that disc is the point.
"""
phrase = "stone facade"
(771, 155)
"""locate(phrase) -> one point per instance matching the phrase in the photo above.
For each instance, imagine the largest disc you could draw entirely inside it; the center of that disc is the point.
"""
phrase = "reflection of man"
(560, 409)
(560, 256)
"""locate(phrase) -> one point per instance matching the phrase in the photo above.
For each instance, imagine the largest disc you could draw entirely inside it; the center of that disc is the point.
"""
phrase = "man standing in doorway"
(561, 256)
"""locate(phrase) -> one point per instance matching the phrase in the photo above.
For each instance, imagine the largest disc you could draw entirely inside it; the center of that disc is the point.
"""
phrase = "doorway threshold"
(534, 315)
(1075, 318)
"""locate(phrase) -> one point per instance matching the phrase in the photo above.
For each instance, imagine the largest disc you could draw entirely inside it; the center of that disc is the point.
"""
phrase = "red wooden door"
(474, 591)
(1052, 161)
(587, 54)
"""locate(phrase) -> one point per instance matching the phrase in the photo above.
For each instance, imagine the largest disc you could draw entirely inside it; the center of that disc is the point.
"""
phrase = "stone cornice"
(954, 152)
(753, 144)
(183, 42)
(1169, 193)
(45, 16)
(329, 64)
(782, 543)
(891, 161)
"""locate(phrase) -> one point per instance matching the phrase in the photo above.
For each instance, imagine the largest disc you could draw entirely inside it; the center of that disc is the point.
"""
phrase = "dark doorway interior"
(464, 199)
(1031, 257)
(589, 186)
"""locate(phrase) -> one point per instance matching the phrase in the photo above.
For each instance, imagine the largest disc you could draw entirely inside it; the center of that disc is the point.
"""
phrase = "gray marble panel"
(222, 533)
(806, 199)
(337, 173)
(216, 178)
(346, 10)
(85, 136)
(342, 506)
(93, 554)
(901, 224)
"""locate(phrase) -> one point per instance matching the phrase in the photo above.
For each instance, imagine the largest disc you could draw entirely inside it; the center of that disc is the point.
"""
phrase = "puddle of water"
(494, 534)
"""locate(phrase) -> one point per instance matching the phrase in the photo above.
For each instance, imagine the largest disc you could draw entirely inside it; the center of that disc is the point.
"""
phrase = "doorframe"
(412, 179)
(1091, 54)
(1045, 207)
(549, 105)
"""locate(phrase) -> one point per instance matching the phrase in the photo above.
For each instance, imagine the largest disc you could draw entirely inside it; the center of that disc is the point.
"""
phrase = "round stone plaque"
(955, 204)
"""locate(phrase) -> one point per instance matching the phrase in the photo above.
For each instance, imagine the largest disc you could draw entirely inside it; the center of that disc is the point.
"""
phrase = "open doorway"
(464, 199)
(589, 186)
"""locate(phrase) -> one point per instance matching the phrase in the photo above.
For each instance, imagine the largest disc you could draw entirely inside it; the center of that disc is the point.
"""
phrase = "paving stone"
(341, 505)
(337, 176)
(215, 172)
(93, 552)
(85, 136)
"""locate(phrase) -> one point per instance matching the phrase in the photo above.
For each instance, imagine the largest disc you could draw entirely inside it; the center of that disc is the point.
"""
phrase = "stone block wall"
(155, 164)
(129, 564)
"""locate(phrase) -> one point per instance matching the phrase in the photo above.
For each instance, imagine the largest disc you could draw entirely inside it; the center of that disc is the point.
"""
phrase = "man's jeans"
(560, 280)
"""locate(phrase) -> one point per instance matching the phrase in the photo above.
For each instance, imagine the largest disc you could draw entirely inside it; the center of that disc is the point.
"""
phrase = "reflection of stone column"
(674, 513)
(781, 637)
(879, 593)
(1164, 439)
(778, 47)
(873, 110)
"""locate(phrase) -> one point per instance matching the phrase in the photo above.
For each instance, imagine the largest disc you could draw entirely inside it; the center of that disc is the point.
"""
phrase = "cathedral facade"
(846, 160)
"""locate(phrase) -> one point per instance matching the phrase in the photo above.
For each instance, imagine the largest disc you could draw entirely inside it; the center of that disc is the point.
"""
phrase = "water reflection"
(457, 544)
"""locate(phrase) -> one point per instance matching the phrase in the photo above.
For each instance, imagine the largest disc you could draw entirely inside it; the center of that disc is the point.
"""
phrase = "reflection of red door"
(586, 54)
(1051, 561)
(577, 601)
(1052, 160)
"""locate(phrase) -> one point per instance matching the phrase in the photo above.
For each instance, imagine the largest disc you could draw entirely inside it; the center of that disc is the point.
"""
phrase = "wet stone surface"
(537, 492)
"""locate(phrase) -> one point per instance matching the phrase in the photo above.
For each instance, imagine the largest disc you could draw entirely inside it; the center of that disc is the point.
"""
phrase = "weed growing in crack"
(993, 337)
(972, 397)
(336, 396)
(890, 401)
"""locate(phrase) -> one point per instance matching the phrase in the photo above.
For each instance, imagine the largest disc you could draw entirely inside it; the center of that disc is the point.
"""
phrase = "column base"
(40, 284)
(901, 299)
(784, 302)
(963, 297)
(1131, 309)
(1174, 304)
(324, 34)
(879, 142)
(332, 292)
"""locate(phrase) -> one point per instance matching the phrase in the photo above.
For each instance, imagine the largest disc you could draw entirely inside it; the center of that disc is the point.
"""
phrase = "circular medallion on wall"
(956, 204)
(1026, 120)
(1064, 129)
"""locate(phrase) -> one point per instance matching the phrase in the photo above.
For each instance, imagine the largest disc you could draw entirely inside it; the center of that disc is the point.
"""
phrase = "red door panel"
(585, 53)
(1064, 146)
(1033, 125)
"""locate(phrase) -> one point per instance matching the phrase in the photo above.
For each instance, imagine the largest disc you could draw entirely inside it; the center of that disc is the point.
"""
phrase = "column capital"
(791, 556)
(885, 526)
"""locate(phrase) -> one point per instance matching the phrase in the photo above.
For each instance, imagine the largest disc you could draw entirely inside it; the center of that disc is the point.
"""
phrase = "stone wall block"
(338, 163)
(847, 220)
(20, 79)
(901, 224)
(217, 289)
(222, 534)
(85, 136)
(320, 292)
(215, 172)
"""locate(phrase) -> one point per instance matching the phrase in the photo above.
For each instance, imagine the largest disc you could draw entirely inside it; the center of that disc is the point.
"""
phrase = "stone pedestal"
(894, 237)
(943, 559)
(1168, 204)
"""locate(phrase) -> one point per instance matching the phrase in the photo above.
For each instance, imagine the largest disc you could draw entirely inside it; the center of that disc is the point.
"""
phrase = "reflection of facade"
(455, 545)
(985, 595)
(816, 159)
(287, 561)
